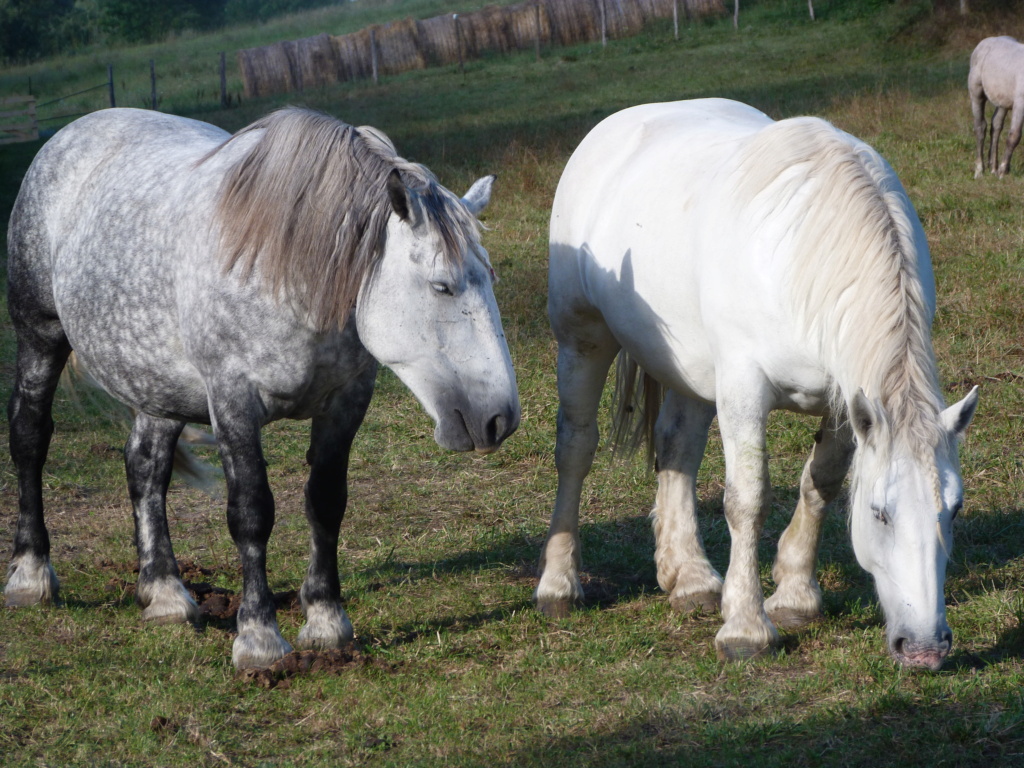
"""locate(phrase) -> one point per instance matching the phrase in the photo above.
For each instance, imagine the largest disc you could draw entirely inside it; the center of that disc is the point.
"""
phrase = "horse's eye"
(881, 515)
(442, 288)
(956, 510)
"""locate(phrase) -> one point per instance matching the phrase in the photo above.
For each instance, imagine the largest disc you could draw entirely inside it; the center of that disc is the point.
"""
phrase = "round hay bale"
(438, 40)
(398, 48)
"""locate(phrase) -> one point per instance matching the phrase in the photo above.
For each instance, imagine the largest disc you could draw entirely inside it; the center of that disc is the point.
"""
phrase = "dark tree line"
(31, 29)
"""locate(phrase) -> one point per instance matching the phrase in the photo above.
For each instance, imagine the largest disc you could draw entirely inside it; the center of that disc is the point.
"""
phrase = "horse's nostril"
(496, 429)
(897, 645)
(947, 639)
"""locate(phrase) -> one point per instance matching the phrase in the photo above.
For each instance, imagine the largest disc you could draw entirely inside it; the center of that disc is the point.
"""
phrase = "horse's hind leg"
(797, 600)
(997, 128)
(236, 410)
(43, 350)
(584, 357)
(980, 128)
(148, 458)
(327, 625)
(977, 93)
(680, 436)
(1013, 138)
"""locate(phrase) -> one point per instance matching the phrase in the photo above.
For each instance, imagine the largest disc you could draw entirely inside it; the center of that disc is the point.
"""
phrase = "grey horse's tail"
(635, 407)
(188, 467)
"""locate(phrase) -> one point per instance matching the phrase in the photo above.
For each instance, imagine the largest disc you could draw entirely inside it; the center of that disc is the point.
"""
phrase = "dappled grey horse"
(234, 281)
(997, 75)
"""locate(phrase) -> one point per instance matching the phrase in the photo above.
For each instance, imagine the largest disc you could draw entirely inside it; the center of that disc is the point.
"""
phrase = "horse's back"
(685, 137)
(696, 231)
(996, 66)
(102, 154)
(108, 213)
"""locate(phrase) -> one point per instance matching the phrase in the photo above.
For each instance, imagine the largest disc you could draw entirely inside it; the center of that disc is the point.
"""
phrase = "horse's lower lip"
(483, 451)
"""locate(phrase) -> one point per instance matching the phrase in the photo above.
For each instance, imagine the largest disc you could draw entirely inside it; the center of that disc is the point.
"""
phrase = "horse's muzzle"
(483, 434)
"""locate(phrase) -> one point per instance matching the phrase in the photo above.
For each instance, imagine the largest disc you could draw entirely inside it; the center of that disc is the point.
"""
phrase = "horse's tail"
(635, 406)
(188, 467)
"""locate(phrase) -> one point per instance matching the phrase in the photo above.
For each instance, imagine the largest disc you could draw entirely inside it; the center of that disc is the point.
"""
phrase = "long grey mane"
(307, 208)
(853, 279)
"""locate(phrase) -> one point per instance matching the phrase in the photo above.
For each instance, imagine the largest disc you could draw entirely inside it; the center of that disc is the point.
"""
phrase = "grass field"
(438, 550)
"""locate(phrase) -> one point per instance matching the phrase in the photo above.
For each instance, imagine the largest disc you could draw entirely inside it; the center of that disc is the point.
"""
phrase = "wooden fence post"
(604, 24)
(110, 83)
(675, 18)
(536, 16)
(152, 83)
(18, 119)
(735, 14)
(458, 42)
(223, 80)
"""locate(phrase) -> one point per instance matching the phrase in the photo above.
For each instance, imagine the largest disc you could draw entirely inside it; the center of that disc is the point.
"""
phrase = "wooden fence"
(18, 119)
(408, 44)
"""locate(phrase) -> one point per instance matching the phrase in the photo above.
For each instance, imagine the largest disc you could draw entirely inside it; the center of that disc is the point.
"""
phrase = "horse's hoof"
(171, 614)
(31, 581)
(697, 602)
(166, 601)
(258, 648)
(25, 598)
(555, 609)
(792, 619)
(327, 627)
(738, 651)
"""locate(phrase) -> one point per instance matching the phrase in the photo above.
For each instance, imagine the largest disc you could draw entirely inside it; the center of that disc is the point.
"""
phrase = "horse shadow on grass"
(618, 568)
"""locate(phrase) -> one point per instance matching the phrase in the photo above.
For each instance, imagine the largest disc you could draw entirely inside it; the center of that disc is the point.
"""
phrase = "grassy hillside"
(438, 550)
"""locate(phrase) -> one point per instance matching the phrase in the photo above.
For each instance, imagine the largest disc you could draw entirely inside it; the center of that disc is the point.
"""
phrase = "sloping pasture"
(438, 550)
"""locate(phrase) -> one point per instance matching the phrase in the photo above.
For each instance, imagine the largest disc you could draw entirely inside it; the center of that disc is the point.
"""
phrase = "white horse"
(747, 265)
(997, 75)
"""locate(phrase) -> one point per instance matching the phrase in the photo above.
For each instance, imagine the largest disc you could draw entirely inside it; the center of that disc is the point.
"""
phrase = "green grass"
(438, 549)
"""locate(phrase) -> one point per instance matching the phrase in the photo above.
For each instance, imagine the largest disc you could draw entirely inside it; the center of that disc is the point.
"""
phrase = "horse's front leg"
(235, 410)
(148, 459)
(583, 362)
(742, 419)
(797, 600)
(327, 625)
(680, 436)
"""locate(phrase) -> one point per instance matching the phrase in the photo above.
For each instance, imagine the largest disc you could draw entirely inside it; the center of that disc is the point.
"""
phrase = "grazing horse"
(233, 281)
(997, 75)
(739, 265)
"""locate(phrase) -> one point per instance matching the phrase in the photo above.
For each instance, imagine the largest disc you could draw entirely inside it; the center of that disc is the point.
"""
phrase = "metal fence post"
(110, 83)
(152, 83)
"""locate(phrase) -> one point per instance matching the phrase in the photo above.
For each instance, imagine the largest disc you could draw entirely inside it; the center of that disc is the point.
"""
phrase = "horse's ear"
(862, 417)
(958, 417)
(398, 194)
(479, 195)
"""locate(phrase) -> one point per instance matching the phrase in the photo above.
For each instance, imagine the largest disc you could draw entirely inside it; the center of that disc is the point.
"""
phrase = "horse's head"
(430, 315)
(905, 496)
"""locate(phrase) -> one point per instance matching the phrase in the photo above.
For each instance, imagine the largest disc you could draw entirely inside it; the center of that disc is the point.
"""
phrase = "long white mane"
(853, 278)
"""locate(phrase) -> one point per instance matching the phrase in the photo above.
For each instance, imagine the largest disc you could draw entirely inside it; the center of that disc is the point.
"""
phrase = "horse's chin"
(452, 435)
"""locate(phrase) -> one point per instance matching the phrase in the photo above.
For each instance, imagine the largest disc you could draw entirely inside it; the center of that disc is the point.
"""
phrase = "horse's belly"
(128, 340)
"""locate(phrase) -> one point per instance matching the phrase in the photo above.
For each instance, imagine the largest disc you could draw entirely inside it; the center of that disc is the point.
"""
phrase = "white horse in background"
(997, 75)
(741, 265)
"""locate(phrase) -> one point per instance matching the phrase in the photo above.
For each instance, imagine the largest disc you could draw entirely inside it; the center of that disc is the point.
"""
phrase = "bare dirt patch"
(336, 661)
